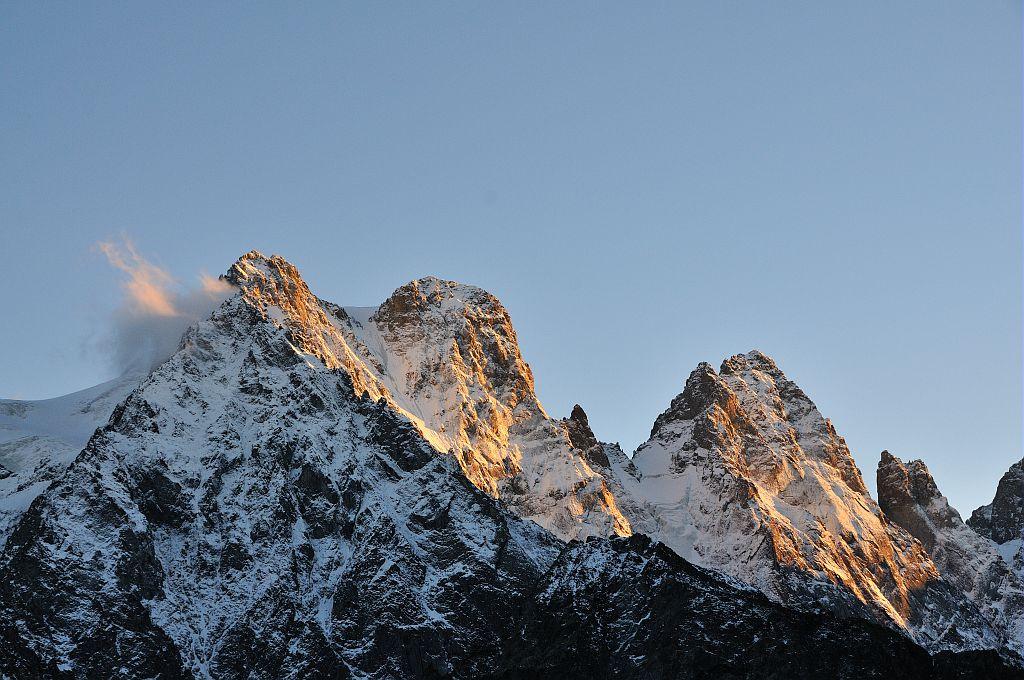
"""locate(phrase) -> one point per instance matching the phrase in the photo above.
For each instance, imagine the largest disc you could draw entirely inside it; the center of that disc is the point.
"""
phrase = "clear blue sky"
(645, 186)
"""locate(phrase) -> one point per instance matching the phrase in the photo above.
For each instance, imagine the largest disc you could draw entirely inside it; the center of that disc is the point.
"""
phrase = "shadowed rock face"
(1002, 520)
(577, 425)
(909, 496)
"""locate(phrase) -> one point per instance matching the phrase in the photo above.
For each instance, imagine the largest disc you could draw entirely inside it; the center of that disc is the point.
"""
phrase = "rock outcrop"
(1002, 520)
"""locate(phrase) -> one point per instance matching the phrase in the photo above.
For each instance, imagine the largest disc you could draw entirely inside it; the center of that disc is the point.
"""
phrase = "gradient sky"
(645, 186)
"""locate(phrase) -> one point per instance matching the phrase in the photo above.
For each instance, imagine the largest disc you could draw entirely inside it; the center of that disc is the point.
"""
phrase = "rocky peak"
(744, 474)
(754, 360)
(580, 434)
(577, 426)
(909, 496)
(446, 357)
(467, 324)
(759, 417)
(703, 389)
(1002, 520)
(274, 287)
(767, 394)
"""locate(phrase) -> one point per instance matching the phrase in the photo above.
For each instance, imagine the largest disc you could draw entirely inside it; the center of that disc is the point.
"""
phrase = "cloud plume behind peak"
(148, 290)
(147, 326)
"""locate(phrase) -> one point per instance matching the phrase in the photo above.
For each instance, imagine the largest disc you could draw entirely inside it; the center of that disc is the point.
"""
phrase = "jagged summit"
(445, 355)
(744, 474)
(1002, 520)
(442, 293)
(909, 496)
(751, 391)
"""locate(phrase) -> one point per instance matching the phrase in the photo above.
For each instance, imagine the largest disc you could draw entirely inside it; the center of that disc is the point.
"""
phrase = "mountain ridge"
(305, 486)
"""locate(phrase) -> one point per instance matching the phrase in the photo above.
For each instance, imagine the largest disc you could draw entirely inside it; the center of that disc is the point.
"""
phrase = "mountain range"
(307, 490)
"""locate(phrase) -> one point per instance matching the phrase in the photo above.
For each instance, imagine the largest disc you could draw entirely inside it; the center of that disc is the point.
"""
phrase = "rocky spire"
(1002, 520)
(577, 426)
(909, 496)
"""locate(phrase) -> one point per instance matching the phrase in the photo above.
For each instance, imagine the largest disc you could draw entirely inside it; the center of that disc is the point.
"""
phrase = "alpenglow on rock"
(743, 474)
(445, 355)
(304, 490)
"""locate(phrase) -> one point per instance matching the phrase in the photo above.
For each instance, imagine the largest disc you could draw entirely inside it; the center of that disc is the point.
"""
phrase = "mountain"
(746, 476)
(972, 563)
(1002, 520)
(39, 439)
(250, 511)
(304, 490)
(445, 356)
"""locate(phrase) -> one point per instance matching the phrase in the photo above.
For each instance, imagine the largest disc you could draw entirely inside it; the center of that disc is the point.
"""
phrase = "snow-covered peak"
(752, 394)
(445, 355)
(448, 354)
(743, 473)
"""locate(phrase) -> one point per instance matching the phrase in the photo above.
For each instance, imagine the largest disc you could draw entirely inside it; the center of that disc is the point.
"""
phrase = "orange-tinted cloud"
(148, 286)
(147, 327)
(213, 286)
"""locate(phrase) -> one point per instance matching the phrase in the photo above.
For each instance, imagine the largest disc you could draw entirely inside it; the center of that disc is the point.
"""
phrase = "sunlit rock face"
(743, 474)
(909, 497)
(445, 356)
(247, 514)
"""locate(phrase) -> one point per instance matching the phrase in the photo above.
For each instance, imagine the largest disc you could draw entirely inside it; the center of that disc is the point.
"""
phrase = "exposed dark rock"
(1002, 520)
(909, 496)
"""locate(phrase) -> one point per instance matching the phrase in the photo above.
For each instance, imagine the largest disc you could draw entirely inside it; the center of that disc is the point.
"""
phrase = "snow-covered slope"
(39, 439)
(445, 355)
(745, 475)
(972, 563)
(246, 509)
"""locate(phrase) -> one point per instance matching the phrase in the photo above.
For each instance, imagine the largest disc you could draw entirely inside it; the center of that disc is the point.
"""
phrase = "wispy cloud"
(148, 286)
(156, 310)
